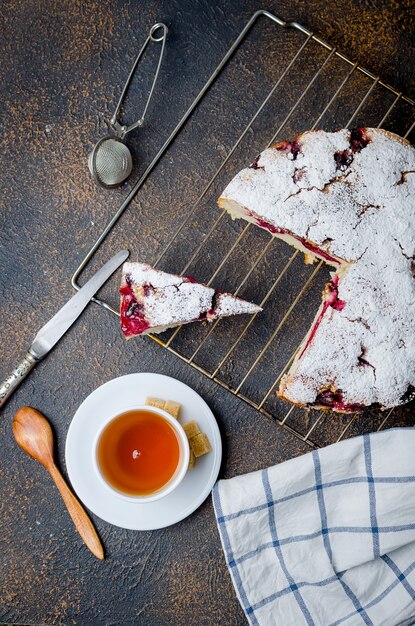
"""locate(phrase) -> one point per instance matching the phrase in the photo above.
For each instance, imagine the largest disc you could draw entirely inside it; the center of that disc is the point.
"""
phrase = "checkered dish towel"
(326, 538)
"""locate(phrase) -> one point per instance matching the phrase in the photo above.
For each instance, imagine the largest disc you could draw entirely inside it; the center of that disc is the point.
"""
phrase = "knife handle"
(16, 377)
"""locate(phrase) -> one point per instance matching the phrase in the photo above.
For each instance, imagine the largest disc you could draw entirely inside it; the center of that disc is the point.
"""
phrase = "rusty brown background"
(61, 67)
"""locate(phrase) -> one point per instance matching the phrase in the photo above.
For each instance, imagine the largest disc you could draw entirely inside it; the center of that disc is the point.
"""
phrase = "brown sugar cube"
(157, 402)
(192, 459)
(191, 429)
(200, 444)
(173, 408)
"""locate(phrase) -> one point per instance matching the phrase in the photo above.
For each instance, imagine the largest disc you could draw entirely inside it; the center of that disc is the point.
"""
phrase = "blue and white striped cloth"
(327, 538)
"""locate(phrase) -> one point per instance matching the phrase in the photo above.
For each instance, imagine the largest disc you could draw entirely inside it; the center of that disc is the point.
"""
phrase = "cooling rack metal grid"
(248, 357)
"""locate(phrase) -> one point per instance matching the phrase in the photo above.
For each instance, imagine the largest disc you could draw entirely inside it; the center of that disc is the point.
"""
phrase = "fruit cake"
(153, 301)
(346, 197)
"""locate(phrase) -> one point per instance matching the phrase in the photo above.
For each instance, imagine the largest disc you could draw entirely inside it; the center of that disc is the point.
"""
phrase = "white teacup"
(182, 466)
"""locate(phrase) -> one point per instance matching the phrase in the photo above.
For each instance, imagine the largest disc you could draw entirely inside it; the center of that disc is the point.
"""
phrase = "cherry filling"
(275, 230)
(206, 315)
(317, 251)
(147, 289)
(334, 400)
(343, 159)
(358, 140)
(213, 306)
(189, 279)
(133, 321)
(330, 299)
(289, 147)
(314, 329)
(331, 294)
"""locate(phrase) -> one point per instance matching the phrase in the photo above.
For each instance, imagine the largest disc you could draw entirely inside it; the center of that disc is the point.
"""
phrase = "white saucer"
(111, 399)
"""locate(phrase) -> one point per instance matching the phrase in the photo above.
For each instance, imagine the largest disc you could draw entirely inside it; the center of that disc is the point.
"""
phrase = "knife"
(54, 330)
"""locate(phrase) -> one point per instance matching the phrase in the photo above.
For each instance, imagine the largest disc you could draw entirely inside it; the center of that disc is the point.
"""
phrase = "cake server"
(54, 330)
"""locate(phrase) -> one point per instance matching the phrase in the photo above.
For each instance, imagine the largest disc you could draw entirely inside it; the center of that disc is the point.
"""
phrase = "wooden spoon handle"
(79, 517)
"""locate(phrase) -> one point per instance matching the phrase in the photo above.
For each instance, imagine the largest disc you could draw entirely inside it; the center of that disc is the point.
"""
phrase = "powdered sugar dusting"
(351, 194)
(164, 300)
(227, 304)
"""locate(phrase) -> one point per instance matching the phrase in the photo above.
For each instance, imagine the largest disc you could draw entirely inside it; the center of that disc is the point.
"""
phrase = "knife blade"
(56, 327)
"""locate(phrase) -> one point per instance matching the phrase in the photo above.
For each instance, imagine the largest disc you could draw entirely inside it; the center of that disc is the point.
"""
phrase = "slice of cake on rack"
(348, 198)
(153, 301)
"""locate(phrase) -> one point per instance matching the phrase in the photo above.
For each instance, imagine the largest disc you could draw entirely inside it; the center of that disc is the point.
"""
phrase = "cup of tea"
(141, 454)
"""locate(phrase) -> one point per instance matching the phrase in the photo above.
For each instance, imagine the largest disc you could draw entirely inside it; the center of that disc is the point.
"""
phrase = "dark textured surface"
(62, 64)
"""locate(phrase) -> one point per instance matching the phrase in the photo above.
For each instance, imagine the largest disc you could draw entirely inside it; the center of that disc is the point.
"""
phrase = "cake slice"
(153, 301)
(348, 198)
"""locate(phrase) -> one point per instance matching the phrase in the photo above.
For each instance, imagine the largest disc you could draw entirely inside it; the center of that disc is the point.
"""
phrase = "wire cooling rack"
(309, 84)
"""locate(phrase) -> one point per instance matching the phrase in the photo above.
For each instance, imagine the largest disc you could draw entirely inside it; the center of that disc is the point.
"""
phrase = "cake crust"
(348, 198)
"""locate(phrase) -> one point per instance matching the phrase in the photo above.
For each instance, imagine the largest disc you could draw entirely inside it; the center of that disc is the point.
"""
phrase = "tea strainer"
(110, 162)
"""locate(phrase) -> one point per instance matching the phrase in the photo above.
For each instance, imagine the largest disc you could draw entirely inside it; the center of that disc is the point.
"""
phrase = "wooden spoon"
(33, 433)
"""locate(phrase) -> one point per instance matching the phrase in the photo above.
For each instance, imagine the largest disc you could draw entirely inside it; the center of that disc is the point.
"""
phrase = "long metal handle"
(122, 130)
(16, 377)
